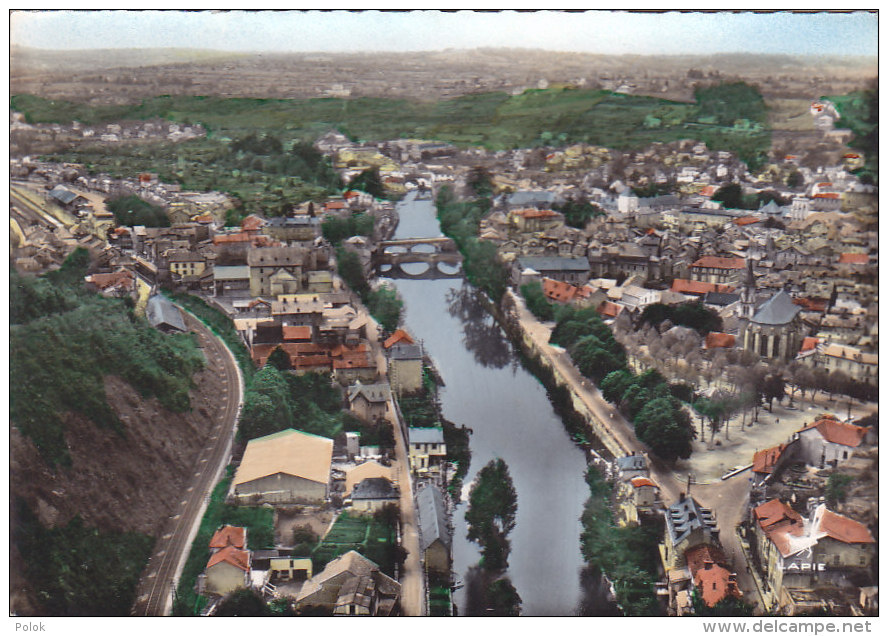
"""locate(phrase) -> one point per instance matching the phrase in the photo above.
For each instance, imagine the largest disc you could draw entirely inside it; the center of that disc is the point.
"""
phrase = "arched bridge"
(432, 251)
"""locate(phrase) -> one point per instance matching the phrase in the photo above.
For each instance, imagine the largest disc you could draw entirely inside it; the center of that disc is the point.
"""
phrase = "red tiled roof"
(720, 262)
(351, 194)
(855, 259)
(204, 218)
(297, 333)
(533, 213)
(764, 461)
(697, 556)
(237, 558)
(558, 291)
(851, 155)
(609, 309)
(824, 184)
(252, 223)
(811, 304)
(708, 191)
(715, 583)
(334, 205)
(229, 535)
(827, 195)
(839, 432)
(844, 529)
(684, 286)
(774, 512)
(105, 281)
(399, 336)
(639, 482)
(715, 340)
(810, 343)
(239, 237)
(746, 220)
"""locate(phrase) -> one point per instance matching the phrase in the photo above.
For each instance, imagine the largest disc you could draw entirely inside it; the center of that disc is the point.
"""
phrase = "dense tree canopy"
(493, 504)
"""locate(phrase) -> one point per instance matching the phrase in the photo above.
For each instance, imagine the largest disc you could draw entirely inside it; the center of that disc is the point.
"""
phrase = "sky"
(608, 32)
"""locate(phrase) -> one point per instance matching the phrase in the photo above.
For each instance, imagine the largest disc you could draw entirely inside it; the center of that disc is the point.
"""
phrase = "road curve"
(155, 592)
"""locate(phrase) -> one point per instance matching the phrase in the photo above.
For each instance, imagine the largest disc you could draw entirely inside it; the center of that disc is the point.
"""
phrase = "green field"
(734, 118)
(860, 112)
(369, 536)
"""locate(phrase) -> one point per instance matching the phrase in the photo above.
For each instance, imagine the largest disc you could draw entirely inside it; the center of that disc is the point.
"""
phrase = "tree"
(615, 384)
(279, 359)
(352, 272)
(730, 195)
(493, 505)
(370, 182)
(594, 359)
(773, 387)
(385, 305)
(242, 602)
(836, 487)
(502, 599)
(664, 426)
(537, 302)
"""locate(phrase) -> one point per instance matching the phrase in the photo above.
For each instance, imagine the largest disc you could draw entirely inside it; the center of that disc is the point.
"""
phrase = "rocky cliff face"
(116, 482)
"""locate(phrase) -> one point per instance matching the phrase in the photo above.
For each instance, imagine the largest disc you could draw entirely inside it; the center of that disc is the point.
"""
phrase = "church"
(773, 330)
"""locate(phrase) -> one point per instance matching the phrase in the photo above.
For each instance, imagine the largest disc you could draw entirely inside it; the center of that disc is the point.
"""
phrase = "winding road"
(155, 592)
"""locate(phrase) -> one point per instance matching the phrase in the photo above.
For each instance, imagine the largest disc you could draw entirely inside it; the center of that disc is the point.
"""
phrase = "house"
(117, 284)
(164, 316)
(227, 570)
(398, 336)
(716, 340)
(794, 553)
(369, 401)
(372, 494)
(717, 269)
(688, 524)
(67, 198)
(698, 288)
(713, 580)
(828, 441)
(301, 227)
(279, 566)
(351, 585)
(434, 532)
(767, 461)
(367, 470)
(636, 496)
(225, 536)
(860, 366)
(231, 280)
(275, 271)
(286, 467)
(426, 451)
(534, 220)
(405, 367)
(184, 263)
(565, 269)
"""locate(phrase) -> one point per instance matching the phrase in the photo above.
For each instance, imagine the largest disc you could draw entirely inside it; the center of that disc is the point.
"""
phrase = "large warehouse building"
(286, 467)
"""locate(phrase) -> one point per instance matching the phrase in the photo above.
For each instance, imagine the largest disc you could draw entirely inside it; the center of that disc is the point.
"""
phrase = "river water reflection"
(488, 390)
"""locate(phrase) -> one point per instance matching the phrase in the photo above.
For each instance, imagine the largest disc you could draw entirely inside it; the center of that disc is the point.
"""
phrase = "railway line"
(156, 588)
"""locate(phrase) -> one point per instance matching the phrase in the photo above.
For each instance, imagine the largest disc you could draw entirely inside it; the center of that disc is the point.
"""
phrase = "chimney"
(689, 483)
(707, 565)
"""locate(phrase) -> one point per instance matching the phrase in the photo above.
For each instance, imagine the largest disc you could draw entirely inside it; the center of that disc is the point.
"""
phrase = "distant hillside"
(130, 75)
(496, 120)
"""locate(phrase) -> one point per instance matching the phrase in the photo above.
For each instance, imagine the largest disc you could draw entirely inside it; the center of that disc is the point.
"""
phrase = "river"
(488, 390)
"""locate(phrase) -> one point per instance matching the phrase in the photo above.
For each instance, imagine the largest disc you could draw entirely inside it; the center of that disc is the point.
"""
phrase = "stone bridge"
(431, 251)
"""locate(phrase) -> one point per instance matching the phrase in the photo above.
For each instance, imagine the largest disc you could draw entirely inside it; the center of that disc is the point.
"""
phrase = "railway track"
(156, 587)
